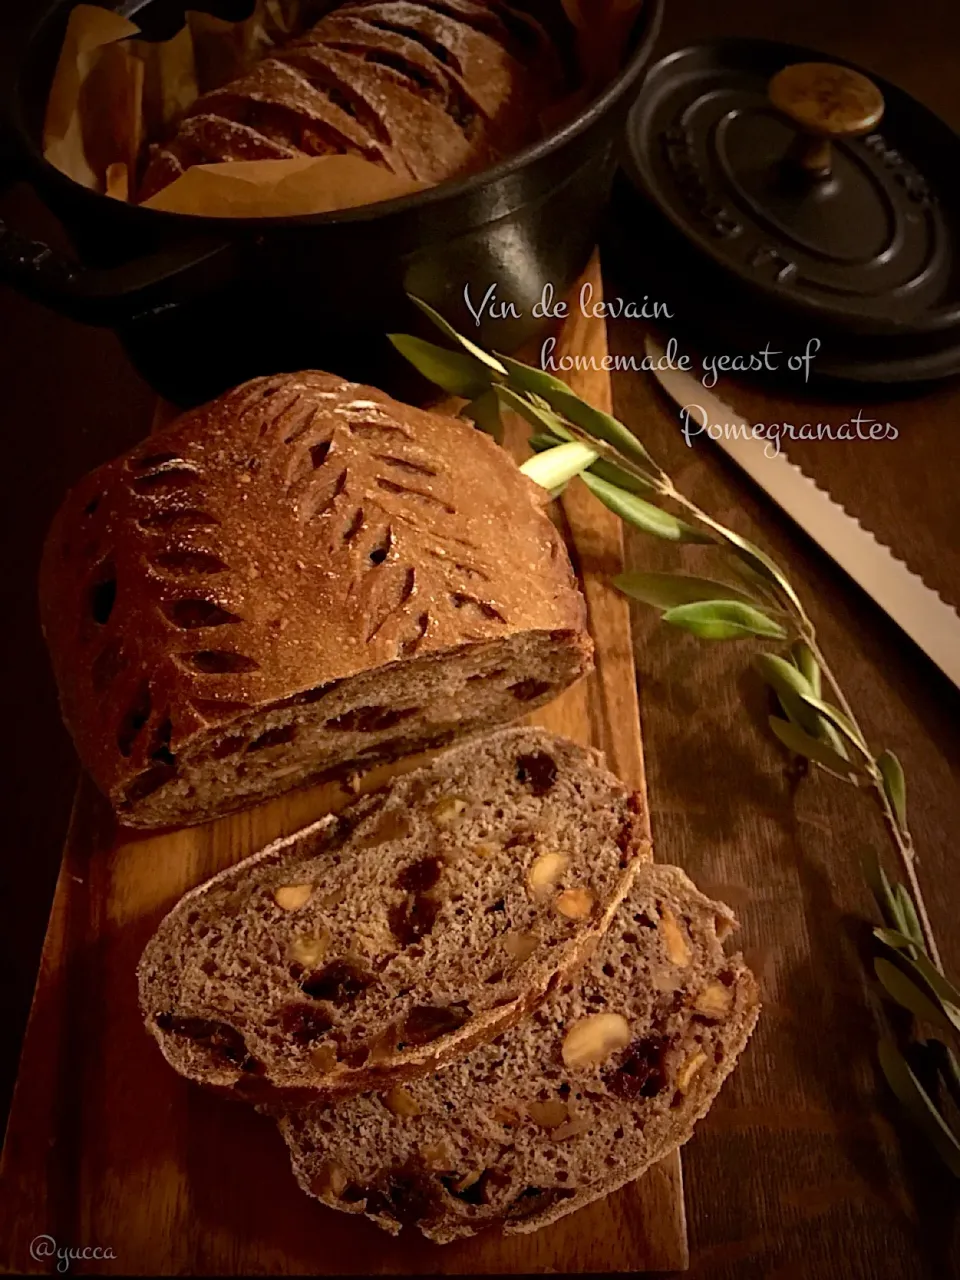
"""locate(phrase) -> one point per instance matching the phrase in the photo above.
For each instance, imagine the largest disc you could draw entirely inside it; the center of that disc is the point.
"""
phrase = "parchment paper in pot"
(89, 32)
(280, 188)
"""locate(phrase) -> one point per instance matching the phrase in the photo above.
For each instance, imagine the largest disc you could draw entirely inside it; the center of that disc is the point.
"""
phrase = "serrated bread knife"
(931, 623)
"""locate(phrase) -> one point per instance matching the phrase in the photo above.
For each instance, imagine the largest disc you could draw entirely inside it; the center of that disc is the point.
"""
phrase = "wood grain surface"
(107, 1144)
(805, 1169)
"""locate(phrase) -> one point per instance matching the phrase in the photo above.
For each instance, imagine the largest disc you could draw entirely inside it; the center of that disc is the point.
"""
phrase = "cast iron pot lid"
(815, 197)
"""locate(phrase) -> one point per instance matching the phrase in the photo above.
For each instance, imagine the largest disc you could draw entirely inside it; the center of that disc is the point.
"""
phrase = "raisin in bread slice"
(302, 577)
(610, 1074)
(375, 946)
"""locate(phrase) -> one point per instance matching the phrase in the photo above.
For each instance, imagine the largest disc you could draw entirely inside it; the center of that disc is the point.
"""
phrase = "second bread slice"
(377, 945)
(609, 1074)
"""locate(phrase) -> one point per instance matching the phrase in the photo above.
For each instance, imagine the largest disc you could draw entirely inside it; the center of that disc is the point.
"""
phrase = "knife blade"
(916, 608)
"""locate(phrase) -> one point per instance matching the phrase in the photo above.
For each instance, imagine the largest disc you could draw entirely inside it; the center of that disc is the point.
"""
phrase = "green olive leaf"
(912, 1095)
(613, 474)
(900, 987)
(556, 467)
(484, 412)
(790, 685)
(939, 984)
(723, 620)
(538, 417)
(562, 400)
(895, 785)
(883, 892)
(894, 938)
(806, 663)
(793, 689)
(454, 372)
(758, 583)
(444, 326)
(667, 590)
(761, 564)
(802, 744)
(539, 414)
(797, 711)
(910, 918)
(644, 515)
(541, 441)
(836, 717)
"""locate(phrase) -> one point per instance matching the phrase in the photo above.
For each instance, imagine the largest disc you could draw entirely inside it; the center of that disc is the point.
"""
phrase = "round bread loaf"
(299, 577)
(429, 90)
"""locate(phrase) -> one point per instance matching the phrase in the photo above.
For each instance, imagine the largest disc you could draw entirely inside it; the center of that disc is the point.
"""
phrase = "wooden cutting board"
(108, 1148)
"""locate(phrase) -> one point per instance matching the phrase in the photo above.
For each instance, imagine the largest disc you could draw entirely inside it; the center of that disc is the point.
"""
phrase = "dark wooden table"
(803, 1169)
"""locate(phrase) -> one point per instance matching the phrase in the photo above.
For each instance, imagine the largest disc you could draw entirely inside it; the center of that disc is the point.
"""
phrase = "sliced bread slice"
(374, 946)
(605, 1078)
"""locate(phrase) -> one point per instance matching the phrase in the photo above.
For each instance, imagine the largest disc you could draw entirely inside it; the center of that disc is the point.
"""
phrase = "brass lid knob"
(826, 102)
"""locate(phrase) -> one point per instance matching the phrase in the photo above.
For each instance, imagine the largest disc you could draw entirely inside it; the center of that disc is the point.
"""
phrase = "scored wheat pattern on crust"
(297, 478)
(401, 486)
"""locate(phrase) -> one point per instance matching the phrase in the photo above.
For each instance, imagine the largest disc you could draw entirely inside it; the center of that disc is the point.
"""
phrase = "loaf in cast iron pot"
(427, 90)
(301, 576)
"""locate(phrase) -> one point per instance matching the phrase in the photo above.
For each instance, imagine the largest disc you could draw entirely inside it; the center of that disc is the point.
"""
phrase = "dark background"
(69, 401)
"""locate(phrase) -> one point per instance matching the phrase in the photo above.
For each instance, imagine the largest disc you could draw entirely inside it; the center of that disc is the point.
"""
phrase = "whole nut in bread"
(550, 1114)
(593, 1039)
(401, 1102)
(576, 903)
(546, 870)
(291, 897)
(714, 1000)
(571, 1130)
(308, 950)
(689, 1070)
(520, 946)
(678, 949)
(297, 579)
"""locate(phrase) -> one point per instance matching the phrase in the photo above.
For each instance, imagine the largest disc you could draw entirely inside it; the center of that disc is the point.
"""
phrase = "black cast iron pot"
(201, 304)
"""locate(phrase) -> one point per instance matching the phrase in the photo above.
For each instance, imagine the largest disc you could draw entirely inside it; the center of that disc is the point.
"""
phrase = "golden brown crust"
(296, 531)
(427, 90)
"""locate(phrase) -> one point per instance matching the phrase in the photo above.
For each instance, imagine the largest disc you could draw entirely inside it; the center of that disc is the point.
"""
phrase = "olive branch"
(571, 438)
